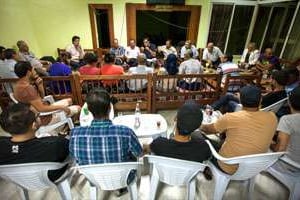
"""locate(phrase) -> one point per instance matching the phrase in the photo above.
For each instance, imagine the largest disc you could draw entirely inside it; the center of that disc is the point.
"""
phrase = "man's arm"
(208, 129)
(135, 147)
(282, 142)
(39, 105)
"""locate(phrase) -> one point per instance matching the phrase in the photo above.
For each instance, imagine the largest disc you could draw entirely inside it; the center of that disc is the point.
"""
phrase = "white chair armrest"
(214, 152)
(290, 162)
(50, 113)
(49, 98)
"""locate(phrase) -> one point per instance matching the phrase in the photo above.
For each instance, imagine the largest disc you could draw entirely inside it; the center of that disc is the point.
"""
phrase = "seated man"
(167, 49)
(76, 52)
(250, 56)
(227, 67)
(136, 85)
(118, 50)
(41, 66)
(23, 146)
(188, 46)
(279, 79)
(184, 146)
(91, 67)
(190, 66)
(248, 131)
(132, 51)
(148, 49)
(289, 132)
(25, 92)
(103, 142)
(212, 55)
(109, 68)
(267, 62)
(293, 79)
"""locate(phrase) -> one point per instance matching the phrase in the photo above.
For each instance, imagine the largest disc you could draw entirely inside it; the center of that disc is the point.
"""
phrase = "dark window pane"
(102, 28)
(292, 49)
(239, 29)
(219, 24)
(278, 27)
(260, 25)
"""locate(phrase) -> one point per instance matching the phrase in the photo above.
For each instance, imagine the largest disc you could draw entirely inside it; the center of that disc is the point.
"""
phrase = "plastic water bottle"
(209, 112)
(137, 115)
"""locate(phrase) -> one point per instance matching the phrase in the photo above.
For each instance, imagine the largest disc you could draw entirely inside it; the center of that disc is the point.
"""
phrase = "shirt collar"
(101, 122)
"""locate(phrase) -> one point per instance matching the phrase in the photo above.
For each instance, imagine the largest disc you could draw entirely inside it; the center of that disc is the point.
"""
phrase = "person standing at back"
(248, 131)
(103, 142)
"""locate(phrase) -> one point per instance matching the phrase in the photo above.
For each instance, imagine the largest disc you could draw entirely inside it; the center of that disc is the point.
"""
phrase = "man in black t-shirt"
(183, 145)
(23, 146)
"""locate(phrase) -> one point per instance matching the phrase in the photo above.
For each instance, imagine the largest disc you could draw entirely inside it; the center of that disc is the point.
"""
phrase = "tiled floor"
(266, 187)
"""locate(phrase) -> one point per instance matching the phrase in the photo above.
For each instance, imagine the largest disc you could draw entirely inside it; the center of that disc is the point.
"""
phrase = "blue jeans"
(228, 101)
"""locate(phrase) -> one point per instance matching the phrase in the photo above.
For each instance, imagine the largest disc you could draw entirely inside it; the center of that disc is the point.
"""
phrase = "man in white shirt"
(76, 52)
(167, 49)
(190, 66)
(136, 85)
(212, 54)
(132, 51)
(188, 46)
(7, 68)
(250, 56)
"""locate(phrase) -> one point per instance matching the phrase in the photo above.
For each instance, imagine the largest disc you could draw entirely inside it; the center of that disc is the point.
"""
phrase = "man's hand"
(66, 110)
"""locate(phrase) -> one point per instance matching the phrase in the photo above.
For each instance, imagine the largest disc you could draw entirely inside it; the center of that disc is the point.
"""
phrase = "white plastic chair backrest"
(175, 171)
(249, 165)
(276, 106)
(11, 96)
(31, 176)
(109, 176)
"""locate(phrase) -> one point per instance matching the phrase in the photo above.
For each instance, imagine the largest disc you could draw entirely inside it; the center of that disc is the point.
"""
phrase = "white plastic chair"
(249, 167)
(33, 176)
(174, 172)
(275, 106)
(63, 119)
(110, 176)
(291, 181)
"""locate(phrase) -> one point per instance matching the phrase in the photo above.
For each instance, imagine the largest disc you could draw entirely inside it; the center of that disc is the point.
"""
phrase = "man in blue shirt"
(103, 142)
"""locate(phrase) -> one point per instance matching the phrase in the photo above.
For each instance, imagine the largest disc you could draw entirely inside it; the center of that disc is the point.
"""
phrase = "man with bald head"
(40, 66)
(134, 85)
(212, 54)
(267, 61)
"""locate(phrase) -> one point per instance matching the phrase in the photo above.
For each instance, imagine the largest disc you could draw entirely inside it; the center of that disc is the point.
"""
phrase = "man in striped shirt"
(103, 142)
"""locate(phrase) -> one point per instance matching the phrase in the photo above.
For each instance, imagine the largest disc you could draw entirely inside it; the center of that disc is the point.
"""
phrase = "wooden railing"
(154, 92)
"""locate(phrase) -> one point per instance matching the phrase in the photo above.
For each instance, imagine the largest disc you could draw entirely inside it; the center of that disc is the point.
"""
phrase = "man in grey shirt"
(289, 130)
(7, 68)
(190, 66)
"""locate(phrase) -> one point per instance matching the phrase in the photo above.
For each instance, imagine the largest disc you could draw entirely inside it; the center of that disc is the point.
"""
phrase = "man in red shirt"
(91, 67)
(110, 69)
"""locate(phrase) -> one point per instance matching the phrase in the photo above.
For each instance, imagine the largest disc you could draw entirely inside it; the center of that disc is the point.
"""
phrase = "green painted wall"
(49, 24)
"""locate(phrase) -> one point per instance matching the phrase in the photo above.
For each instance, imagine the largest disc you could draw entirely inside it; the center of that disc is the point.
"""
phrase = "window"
(292, 49)
(239, 29)
(219, 24)
(278, 27)
(260, 25)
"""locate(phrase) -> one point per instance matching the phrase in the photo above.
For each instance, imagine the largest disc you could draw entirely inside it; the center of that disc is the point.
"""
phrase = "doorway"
(159, 22)
(159, 26)
(101, 17)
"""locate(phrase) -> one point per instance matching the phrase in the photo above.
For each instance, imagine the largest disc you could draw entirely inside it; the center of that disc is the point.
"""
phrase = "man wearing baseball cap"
(248, 131)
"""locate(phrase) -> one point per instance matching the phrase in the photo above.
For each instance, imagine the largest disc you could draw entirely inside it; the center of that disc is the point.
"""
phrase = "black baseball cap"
(250, 96)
